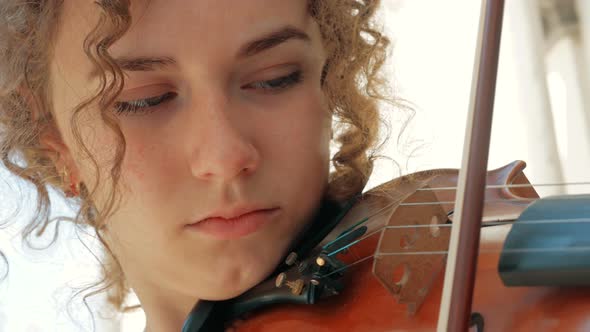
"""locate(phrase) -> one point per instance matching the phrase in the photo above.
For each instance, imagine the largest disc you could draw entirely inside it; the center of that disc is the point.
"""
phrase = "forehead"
(208, 22)
(202, 28)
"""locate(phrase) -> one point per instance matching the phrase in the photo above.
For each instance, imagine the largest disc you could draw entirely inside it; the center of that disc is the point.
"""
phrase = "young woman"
(194, 135)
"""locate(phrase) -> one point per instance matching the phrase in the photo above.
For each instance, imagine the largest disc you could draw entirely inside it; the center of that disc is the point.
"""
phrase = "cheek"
(299, 133)
(308, 130)
(135, 162)
(144, 167)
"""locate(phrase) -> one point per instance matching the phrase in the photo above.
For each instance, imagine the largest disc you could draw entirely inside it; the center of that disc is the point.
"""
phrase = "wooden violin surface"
(365, 306)
(394, 277)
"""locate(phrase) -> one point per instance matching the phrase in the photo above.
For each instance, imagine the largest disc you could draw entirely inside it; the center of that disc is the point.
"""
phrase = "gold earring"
(74, 189)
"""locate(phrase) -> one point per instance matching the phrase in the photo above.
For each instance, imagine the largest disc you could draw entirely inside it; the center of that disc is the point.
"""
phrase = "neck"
(164, 310)
(159, 319)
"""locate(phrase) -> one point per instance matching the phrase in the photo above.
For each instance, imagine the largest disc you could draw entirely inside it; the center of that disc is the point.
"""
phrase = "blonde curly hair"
(352, 81)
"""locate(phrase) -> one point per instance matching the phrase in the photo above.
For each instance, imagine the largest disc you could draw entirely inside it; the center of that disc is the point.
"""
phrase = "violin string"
(486, 201)
(494, 187)
(499, 223)
(366, 236)
(490, 251)
(386, 208)
(486, 224)
(359, 223)
(346, 266)
(523, 185)
(444, 252)
(500, 186)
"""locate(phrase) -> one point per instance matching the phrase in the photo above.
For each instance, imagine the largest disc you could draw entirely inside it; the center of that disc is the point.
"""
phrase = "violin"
(445, 250)
(380, 268)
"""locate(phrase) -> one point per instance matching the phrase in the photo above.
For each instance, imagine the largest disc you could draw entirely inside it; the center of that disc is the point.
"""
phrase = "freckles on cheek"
(135, 162)
(148, 167)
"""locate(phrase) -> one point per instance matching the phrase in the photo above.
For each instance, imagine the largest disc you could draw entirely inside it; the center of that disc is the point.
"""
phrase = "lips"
(241, 224)
(234, 212)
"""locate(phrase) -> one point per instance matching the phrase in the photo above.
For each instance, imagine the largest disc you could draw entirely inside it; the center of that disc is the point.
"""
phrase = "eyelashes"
(142, 105)
(148, 105)
(278, 83)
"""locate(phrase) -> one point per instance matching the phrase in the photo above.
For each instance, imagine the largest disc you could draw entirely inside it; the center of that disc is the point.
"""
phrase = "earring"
(74, 189)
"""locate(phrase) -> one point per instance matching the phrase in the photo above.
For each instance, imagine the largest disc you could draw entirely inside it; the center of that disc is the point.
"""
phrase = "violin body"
(365, 306)
(395, 283)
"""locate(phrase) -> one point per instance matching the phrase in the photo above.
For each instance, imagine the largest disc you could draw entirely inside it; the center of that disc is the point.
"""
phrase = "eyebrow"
(271, 40)
(266, 42)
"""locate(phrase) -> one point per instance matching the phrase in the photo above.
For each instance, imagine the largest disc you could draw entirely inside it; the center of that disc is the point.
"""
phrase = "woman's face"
(238, 119)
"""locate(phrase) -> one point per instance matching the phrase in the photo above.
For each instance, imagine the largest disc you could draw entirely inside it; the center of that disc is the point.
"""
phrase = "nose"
(223, 149)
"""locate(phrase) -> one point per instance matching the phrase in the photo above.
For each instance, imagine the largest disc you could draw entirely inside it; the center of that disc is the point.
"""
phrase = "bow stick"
(455, 309)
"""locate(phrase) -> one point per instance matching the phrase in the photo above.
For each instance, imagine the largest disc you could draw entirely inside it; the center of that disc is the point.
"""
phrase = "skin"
(222, 141)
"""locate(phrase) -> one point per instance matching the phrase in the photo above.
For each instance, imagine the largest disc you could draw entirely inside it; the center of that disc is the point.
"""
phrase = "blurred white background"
(539, 117)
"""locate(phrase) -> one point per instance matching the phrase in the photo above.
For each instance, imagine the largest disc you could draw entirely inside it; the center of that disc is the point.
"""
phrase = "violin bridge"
(412, 249)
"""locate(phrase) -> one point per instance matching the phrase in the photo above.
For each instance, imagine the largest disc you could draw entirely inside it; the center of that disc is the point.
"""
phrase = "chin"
(234, 284)
(227, 293)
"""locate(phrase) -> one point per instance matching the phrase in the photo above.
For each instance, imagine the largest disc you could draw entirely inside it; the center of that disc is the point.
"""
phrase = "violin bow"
(459, 280)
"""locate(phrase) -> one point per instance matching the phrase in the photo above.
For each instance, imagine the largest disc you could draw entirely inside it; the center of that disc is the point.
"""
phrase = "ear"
(51, 139)
(59, 153)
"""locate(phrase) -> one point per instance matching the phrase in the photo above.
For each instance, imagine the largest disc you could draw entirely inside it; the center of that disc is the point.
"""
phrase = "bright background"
(539, 117)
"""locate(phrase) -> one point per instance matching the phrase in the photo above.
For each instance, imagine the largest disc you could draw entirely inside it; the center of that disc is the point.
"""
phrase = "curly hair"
(352, 80)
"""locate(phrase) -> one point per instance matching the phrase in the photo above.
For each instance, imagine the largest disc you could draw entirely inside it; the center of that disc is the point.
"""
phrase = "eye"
(148, 105)
(142, 106)
(278, 84)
